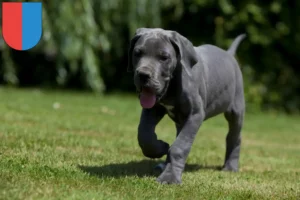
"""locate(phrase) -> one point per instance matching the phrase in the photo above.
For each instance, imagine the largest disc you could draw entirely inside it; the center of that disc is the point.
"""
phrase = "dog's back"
(222, 74)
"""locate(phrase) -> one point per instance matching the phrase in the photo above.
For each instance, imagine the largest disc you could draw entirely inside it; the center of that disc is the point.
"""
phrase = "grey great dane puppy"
(190, 84)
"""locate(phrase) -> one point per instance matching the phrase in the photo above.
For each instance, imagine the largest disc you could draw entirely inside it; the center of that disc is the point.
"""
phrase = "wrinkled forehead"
(154, 42)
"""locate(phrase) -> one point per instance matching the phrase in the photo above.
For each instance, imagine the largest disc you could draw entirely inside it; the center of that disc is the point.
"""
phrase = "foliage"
(85, 42)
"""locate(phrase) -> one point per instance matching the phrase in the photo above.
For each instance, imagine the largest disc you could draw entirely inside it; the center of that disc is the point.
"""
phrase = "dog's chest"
(169, 109)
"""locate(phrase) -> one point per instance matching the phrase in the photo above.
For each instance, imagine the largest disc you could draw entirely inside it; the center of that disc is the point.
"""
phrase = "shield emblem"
(21, 24)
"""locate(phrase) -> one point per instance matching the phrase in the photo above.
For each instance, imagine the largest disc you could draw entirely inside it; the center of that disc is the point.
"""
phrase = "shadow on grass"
(140, 169)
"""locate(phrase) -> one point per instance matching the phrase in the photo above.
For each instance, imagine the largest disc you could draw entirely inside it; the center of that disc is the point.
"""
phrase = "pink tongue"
(147, 98)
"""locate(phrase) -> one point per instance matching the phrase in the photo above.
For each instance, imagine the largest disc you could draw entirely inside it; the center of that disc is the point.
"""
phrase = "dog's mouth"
(147, 97)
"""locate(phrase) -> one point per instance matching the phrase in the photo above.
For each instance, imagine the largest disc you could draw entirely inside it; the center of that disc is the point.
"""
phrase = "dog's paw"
(229, 169)
(169, 177)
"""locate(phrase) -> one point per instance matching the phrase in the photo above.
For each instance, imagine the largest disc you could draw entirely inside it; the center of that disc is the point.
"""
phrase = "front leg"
(147, 138)
(161, 166)
(180, 149)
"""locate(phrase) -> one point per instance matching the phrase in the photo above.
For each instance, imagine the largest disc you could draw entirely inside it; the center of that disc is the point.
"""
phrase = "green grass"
(67, 145)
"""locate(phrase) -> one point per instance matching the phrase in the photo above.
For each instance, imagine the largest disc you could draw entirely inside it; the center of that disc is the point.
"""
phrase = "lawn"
(68, 145)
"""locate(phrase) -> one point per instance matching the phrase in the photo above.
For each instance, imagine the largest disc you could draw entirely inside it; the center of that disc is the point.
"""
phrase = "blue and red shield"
(21, 24)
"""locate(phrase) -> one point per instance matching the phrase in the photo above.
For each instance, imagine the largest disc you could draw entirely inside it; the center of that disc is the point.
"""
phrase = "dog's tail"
(232, 49)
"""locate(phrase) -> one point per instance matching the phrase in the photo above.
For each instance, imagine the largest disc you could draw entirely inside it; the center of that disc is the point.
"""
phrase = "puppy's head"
(153, 56)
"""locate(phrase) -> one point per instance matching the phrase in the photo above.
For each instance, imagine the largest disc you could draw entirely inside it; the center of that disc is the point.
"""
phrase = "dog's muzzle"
(150, 89)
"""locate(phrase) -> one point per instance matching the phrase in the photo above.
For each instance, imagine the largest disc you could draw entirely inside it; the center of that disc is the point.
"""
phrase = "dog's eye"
(163, 57)
(137, 53)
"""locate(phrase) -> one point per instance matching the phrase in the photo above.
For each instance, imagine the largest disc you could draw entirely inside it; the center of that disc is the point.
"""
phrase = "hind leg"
(235, 118)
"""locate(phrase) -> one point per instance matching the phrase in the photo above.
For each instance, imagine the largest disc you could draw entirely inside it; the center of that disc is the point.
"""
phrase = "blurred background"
(84, 44)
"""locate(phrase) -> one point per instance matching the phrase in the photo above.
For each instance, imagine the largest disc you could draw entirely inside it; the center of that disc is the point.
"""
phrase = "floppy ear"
(187, 54)
(131, 46)
(139, 32)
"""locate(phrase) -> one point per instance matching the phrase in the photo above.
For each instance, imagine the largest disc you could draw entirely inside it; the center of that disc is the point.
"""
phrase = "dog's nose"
(144, 76)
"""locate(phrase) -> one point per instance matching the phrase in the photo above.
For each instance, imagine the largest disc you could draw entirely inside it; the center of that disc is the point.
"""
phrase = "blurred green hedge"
(84, 44)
